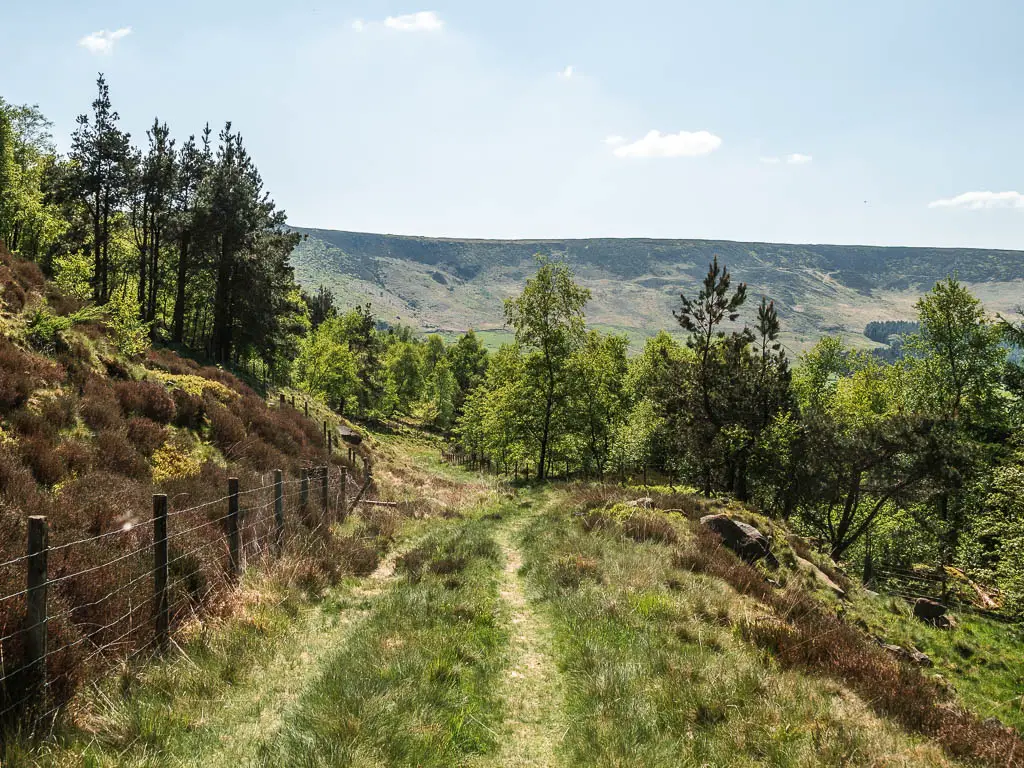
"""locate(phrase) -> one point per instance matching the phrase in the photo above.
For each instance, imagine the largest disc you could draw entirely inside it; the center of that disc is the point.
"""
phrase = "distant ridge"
(454, 283)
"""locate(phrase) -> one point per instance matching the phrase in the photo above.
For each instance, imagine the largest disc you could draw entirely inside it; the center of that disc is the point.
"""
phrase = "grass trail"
(534, 724)
(252, 714)
(415, 683)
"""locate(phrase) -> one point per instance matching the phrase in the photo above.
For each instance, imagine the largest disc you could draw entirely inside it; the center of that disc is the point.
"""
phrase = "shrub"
(22, 373)
(174, 459)
(40, 457)
(146, 435)
(59, 410)
(13, 294)
(77, 455)
(188, 409)
(30, 424)
(18, 489)
(170, 362)
(227, 379)
(226, 429)
(29, 275)
(116, 454)
(145, 398)
(99, 408)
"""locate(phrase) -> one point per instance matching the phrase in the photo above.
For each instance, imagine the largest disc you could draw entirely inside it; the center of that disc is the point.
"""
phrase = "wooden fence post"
(323, 491)
(330, 443)
(344, 493)
(306, 406)
(325, 433)
(304, 495)
(279, 508)
(161, 605)
(281, 401)
(234, 548)
(35, 613)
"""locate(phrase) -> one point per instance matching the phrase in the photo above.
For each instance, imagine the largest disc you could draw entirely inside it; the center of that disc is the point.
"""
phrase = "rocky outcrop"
(743, 539)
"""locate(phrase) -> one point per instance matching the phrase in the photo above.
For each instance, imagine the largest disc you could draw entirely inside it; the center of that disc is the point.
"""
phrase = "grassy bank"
(656, 673)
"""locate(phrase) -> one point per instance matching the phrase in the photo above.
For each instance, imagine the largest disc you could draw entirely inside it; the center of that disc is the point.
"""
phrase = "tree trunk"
(178, 323)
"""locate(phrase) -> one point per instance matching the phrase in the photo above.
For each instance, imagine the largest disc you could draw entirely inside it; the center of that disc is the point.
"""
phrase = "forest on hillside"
(902, 464)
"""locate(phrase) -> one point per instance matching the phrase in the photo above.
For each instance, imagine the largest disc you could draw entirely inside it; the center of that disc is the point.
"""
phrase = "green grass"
(414, 685)
(182, 709)
(982, 659)
(656, 674)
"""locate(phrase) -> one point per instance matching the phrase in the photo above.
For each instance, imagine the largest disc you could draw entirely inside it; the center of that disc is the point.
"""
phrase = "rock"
(821, 576)
(928, 610)
(909, 655)
(745, 540)
(921, 659)
(945, 622)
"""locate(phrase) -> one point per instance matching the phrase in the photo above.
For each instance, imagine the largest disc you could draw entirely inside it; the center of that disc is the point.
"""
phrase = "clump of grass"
(635, 523)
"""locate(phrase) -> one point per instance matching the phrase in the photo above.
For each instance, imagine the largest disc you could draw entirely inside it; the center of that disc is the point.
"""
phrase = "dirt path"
(534, 725)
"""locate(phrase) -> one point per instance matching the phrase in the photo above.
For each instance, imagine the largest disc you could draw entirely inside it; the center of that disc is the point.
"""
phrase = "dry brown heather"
(86, 438)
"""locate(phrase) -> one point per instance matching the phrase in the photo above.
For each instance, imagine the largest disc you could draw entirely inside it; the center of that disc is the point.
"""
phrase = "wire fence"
(960, 593)
(70, 610)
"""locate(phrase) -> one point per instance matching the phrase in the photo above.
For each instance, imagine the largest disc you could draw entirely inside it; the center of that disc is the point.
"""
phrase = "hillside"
(88, 434)
(572, 625)
(448, 284)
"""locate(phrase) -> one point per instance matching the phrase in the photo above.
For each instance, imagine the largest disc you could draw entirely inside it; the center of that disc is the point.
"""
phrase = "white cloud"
(358, 25)
(982, 199)
(568, 72)
(614, 140)
(794, 159)
(421, 21)
(102, 42)
(682, 144)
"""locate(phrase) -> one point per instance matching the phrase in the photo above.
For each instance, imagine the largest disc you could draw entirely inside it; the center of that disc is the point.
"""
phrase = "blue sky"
(893, 122)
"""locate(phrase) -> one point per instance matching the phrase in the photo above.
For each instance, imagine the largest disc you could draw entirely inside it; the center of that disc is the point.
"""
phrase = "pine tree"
(101, 158)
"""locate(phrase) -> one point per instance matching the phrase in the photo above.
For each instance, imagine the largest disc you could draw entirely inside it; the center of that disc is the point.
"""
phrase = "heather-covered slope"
(87, 436)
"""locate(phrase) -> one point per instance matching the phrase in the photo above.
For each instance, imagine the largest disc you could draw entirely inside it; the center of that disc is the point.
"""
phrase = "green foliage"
(72, 273)
(325, 367)
(130, 333)
(44, 327)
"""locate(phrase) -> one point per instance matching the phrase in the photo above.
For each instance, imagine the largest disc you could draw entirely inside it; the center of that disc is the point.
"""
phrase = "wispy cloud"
(421, 21)
(614, 140)
(793, 159)
(568, 72)
(102, 42)
(981, 199)
(682, 144)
